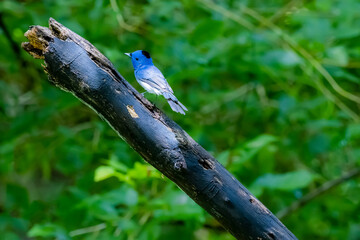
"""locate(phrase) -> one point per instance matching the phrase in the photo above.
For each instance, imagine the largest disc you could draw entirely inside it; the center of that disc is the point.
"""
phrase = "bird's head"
(140, 57)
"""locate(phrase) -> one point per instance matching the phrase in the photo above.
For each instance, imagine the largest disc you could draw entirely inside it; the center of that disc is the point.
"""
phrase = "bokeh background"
(272, 89)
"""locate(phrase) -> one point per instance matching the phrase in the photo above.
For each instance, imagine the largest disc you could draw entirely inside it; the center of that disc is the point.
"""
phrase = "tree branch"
(76, 66)
(317, 192)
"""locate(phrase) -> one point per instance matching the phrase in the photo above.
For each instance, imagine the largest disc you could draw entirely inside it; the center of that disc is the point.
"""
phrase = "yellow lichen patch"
(36, 36)
(132, 112)
(39, 38)
(36, 53)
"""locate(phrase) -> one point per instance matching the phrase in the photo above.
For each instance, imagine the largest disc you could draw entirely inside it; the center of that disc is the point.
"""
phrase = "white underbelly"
(149, 89)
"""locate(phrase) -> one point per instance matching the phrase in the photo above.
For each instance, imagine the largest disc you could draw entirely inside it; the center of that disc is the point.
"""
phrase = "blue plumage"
(152, 80)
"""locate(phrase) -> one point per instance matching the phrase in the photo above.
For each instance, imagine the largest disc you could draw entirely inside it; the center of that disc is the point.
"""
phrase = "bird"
(152, 80)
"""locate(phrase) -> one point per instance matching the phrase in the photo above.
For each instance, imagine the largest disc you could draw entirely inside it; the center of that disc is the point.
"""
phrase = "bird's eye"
(136, 59)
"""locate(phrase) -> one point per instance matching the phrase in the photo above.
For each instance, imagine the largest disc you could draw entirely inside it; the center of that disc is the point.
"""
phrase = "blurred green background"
(272, 89)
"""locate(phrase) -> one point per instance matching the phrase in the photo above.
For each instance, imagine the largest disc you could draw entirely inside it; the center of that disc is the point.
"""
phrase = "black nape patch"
(146, 54)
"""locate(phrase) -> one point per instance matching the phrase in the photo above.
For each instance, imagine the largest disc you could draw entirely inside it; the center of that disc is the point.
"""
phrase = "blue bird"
(152, 80)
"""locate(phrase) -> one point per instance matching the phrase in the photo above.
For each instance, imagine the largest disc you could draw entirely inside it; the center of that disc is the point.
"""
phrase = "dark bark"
(76, 66)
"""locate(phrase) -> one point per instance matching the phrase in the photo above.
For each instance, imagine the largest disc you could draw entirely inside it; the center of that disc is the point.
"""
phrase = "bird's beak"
(128, 54)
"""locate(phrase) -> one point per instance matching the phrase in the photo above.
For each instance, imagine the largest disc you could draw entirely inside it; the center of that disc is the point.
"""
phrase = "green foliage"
(272, 91)
(289, 181)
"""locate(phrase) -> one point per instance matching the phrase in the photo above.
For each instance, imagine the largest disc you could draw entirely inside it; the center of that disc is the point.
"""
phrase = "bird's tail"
(174, 103)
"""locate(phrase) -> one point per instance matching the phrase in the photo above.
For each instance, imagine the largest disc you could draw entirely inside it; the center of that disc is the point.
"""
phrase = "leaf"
(260, 141)
(100, 208)
(251, 149)
(286, 181)
(316, 29)
(117, 165)
(338, 55)
(125, 195)
(48, 230)
(143, 171)
(284, 58)
(103, 172)
(178, 206)
(223, 157)
(324, 124)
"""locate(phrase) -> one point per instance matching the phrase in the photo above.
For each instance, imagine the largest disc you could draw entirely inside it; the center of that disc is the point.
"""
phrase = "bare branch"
(317, 192)
(75, 65)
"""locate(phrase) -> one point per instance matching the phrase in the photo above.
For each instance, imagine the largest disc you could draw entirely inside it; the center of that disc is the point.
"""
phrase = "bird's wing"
(153, 77)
